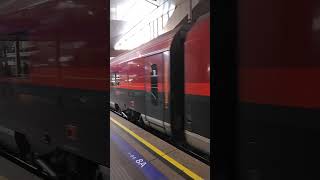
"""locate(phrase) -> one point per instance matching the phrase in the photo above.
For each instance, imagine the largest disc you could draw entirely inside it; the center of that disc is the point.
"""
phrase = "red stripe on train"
(200, 89)
(298, 87)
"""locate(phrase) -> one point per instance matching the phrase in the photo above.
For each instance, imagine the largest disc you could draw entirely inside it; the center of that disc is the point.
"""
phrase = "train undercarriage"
(56, 165)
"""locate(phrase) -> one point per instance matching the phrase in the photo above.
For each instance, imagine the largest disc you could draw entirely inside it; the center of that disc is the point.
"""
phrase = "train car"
(53, 85)
(165, 84)
(279, 101)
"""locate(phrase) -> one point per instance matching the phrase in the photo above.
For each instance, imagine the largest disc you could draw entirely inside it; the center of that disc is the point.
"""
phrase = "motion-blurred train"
(165, 84)
(278, 116)
(53, 92)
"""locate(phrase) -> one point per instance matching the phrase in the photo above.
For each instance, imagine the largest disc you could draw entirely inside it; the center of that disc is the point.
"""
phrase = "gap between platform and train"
(157, 151)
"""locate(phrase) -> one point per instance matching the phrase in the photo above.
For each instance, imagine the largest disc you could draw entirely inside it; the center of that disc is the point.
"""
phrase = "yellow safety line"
(159, 152)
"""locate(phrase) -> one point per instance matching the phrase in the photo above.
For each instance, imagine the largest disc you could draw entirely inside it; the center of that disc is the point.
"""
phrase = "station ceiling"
(125, 14)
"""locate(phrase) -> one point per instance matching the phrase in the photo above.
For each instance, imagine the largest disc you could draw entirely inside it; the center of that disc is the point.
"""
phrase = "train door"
(136, 87)
(122, 88)
(154, 96)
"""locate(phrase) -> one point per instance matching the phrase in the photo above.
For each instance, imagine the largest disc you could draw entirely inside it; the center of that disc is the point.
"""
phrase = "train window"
(11, 49)
(154, 83)
(14, 62)
(115, 79)
(8, 59)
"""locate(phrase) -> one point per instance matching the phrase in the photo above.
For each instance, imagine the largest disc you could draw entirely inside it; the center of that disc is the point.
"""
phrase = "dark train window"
(115, 79)
(154, 83)
(11, 49)
(13, 62)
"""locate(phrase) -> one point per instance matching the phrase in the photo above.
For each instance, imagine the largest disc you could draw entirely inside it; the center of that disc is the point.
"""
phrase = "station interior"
(159, 89)
(147, 36)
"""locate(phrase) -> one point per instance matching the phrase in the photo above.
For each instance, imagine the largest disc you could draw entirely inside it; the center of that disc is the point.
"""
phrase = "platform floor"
(138, 154)
(10, 171)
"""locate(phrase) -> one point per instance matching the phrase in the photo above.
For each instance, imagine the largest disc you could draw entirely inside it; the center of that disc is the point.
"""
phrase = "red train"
(53, 74)
(278, 80)
(165, 84)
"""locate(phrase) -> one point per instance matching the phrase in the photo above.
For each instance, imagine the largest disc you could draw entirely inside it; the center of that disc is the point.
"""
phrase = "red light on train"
(71, 132)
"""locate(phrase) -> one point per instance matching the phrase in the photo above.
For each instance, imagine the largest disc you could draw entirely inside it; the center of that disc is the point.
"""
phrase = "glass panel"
(154, 83)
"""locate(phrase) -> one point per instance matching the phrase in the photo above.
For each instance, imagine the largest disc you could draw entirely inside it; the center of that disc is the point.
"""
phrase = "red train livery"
(278, 80)
(165, 84)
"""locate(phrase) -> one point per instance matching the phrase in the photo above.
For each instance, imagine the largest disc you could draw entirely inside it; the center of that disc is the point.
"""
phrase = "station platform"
(11, 171)
(138, 154)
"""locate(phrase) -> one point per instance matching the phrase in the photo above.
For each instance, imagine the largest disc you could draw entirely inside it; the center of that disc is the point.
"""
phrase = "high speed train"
(278, 89)
(165, 84)
(53, 92)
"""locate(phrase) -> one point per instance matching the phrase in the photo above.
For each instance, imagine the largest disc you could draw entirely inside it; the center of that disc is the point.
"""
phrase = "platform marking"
(159, 152)
(138, 160)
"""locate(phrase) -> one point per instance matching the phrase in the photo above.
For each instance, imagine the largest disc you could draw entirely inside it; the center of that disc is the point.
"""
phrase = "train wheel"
(131, 116)
(140, 121)
(23, 145)
(117, 108)
(102, 173)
